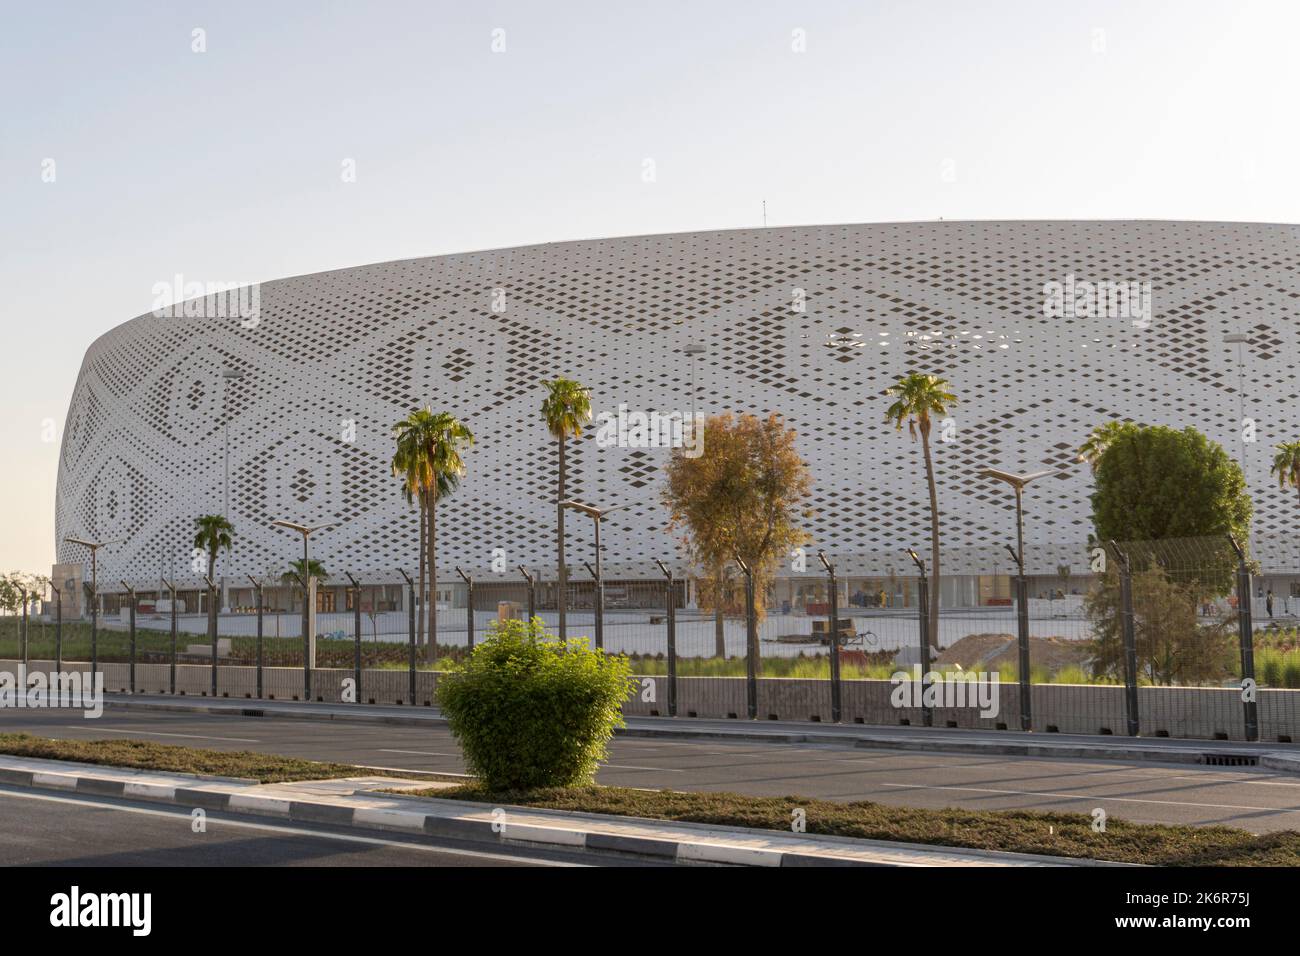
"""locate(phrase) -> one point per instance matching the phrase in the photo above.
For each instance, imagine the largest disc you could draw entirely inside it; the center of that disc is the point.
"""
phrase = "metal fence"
(1173, 637)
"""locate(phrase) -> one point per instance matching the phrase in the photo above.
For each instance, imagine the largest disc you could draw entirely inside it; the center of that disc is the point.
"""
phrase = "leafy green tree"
(429, 448)
(1286, 465)
(10, 596)
(918, 398)
(565, 409)
(1153, 482)
(1099, 439)
(746, 493)
(1175, 645)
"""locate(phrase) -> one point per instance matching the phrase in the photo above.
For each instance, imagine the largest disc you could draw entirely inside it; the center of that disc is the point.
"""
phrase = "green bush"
(530, 712)
(1268, 668)
(1291, 673)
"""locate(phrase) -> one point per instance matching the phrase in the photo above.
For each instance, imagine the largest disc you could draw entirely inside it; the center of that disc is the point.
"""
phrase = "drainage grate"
(251, 712)
(1229, 760)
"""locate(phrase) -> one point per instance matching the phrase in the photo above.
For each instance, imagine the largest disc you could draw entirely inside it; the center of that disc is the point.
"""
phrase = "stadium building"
(1044, 329)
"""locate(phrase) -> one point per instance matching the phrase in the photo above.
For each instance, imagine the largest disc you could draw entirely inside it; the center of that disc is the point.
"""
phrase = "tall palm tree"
(429, 448)
(410, 465)
(566, 408)
(917, 397)
(1286, 465)
(1099, 439)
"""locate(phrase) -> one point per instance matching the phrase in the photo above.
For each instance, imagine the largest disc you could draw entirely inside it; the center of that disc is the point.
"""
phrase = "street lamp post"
(130, 594)
(469, 607)
(257, 588)
(597, 515)
(836, 699)
(355, 591)
(1018, 482)
(671, 620)
(171, 673)
(532, 592)
(58, 633)
(308, 660)
(751, 640)
(1240, 339)
(228, 374)
(923, 612)
(693, 351)
(94, 547)
(410, 631)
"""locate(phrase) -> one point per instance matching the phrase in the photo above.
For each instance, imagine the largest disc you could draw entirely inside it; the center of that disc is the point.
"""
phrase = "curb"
(570, 834)
(1040, 747)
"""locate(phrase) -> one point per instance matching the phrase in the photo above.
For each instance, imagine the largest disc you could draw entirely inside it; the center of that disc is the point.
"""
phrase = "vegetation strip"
(168, 758)
(1001, 831)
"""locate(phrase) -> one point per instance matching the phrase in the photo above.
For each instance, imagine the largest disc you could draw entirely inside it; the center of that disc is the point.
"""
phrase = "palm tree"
(1099, 439)
(566, 408)
(410, 465)
(212, 533)
(1286, 465)
(917, 397)
(314, 568)
(429, 455)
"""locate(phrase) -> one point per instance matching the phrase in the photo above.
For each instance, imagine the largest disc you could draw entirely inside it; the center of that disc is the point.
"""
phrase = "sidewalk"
(355, 802)
(1285, 757)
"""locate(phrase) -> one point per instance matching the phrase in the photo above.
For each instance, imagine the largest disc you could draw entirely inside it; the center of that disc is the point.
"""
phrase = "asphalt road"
(46, 829)
(1253, 799)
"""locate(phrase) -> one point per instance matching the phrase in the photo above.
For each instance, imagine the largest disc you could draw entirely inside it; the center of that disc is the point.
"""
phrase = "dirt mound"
(987, 651)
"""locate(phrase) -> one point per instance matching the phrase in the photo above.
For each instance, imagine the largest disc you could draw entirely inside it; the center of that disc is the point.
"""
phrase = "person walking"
(1268, 602)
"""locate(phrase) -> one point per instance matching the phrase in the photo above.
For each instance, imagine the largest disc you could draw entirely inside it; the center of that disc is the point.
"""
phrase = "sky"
(248, 141)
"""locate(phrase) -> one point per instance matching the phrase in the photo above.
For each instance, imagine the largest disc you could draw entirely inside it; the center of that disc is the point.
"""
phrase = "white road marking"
(159, 733)
(214, 818)
(1094, 798)
(419, 753)
(624, 766)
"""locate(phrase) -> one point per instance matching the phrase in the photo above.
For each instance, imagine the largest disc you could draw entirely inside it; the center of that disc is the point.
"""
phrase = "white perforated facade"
(143, 446)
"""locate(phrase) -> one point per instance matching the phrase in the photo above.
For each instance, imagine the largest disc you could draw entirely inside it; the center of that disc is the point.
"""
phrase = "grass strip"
(1013, 831)
(169, 758)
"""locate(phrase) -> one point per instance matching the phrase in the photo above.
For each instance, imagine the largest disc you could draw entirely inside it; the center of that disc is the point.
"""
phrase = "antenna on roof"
(764, 213)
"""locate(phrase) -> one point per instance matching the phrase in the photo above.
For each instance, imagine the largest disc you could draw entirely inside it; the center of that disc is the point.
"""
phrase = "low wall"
(1196, 712)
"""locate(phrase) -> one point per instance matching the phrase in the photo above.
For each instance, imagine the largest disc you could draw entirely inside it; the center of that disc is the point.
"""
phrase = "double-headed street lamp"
(306, 531)
(597, 515)
(1018, 482)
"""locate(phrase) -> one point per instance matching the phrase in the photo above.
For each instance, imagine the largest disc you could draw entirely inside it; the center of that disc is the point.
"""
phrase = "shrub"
(530, 712)
(1291, 673)
(1269, 669)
